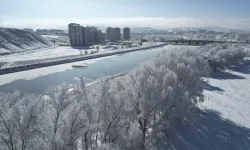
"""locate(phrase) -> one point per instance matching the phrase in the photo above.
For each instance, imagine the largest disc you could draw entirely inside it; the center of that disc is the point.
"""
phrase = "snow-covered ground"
(3, 51)
(229, 94)
(57, 39)
(28, 57)
(46, 53)
(222, 122)
(53, 52)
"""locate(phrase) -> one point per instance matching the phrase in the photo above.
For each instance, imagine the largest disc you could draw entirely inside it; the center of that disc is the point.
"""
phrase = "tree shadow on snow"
(209, 87)
(208, 131)
(226, 76)
(241, 67)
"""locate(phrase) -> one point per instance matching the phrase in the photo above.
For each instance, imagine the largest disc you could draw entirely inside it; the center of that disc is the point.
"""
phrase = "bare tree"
(58, 99)
(20, 119)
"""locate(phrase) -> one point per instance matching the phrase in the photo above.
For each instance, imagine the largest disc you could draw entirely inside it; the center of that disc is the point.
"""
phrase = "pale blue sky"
(152, 13)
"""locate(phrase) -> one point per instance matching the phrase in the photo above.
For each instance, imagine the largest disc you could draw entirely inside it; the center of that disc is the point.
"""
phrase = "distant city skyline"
(162, 14)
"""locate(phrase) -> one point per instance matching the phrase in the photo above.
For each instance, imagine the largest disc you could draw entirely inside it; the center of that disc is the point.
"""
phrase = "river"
(103, 67)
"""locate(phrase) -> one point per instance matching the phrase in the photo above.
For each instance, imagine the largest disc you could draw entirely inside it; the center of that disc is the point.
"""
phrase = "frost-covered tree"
(189, 67)
(58, 103)
(20, 121)
(221, 56)
(155, 95)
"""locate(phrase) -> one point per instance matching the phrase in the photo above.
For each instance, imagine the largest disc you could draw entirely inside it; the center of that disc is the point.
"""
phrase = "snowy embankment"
(17, 40)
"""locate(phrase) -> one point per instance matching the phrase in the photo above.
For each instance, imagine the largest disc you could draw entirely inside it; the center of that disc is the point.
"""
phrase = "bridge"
(199, 42)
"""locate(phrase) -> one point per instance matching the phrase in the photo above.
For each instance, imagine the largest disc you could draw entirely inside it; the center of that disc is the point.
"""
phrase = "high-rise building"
(110, 34)
(100, 36)
(117, 33)
(72, 33)
(80, 36)
(126, 33)
(113, 34)
(91, 35)
(83, 36)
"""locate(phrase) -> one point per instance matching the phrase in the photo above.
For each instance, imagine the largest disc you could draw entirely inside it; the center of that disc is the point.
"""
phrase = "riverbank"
(70, 59)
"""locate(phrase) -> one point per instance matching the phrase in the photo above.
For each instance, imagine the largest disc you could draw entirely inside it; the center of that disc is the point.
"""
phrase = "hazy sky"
(143, 13)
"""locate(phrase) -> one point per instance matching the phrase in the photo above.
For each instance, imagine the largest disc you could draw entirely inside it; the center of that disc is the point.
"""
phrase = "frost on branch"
(221, 56)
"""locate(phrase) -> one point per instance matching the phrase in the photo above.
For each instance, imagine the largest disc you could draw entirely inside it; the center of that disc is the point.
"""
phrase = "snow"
(60, 52)
(52, 36)
(231, 94)
(57, 39)
(222, 120)
(46, 53)
(16, 40)
(2, 50)
(196, 34)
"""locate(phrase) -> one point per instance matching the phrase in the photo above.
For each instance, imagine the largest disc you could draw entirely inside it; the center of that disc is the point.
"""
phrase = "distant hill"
(15, 40)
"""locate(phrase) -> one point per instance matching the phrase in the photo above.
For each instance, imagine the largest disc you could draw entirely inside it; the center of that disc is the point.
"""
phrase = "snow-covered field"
(223, 121)
(28, 57)
(50, 53)
(46, 53)
(229, 94)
